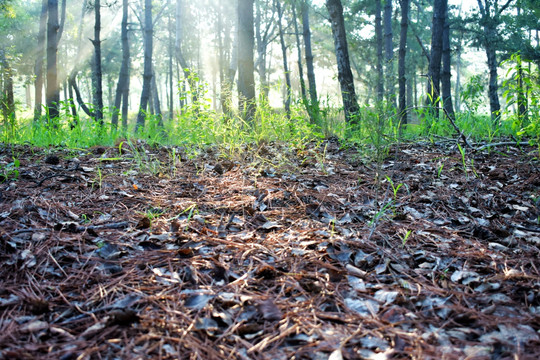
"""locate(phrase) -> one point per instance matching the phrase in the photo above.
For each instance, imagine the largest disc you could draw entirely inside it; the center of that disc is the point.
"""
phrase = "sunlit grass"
(198, 126)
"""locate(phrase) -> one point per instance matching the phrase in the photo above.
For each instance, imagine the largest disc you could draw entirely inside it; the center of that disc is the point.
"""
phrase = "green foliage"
(10, 170)
(522, 87)
(472, 93)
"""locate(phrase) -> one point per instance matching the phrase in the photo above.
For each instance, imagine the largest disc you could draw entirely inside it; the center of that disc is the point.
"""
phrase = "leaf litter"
(316, 256)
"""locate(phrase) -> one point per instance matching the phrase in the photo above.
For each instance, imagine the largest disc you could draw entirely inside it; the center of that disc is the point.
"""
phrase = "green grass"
(198, 127)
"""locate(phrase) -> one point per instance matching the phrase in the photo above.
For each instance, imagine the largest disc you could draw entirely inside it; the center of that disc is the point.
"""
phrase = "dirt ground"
(140, 252)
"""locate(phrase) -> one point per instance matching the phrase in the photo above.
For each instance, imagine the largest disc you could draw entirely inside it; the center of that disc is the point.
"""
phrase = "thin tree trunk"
(122, 87)
(299, 53)
(345, 77)
(72, 104)
(73, 83)
(434, 72)
(170, 98)
(262, 45)
(97, 78)
(52, 91)
(521, 97)
(389, 52)
(446, 69)
(379, 41)
(38, 68)
(457, 88)
(72, 79)
(147, 74)
(7, 100)
(490, 34)
(157, 102)
(405, 4)
(246, 65)
(288, 95)
(309, 62)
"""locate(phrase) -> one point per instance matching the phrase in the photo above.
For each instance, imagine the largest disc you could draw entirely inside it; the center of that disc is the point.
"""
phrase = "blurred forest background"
(82, 73)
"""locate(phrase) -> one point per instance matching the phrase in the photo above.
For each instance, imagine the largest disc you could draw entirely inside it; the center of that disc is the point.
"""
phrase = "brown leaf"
(144, 223)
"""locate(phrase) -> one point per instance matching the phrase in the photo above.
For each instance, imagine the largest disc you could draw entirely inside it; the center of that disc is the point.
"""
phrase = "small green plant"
(85, 219)
(395, 189)
(11, 170)
(464, 162)
(405, 237)
(99, 177)
(381, 212)
(143, 161)
(439, 172)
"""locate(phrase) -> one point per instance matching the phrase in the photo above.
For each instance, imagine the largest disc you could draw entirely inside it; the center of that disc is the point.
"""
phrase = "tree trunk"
(262, 45)
(405, 4)
(246, 66)
(38, 68)
(300, 66)
(122, 87)
(157, 103)
(170, 98)
(97, 76)
(73, 83)
(379, 41)
(490, 23)
(521, 94)
(53, 93)
(457, 90)
(147, 75)
(72, 104)
(7, 99)
(434, 71)
(389, 52)
(288, 95)
(345, 77)
(309, 62)
(230, 68)
(446, 69)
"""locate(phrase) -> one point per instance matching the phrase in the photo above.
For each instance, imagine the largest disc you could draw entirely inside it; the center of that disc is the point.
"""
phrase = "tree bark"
(147, 74)
(157, 102)
(490, 21)
(389, 52)
(288, 95)
(299, 61)
(379, 41)
(405, 4)
(446, 69)
(345, 77)
(434, 71)
(38, 67)
(97, 76)
(7, 99)
(521, 95)
(122, 87)
(246, 66)
(263, 37)
(52, 93)
(170, 98)
(309, 62)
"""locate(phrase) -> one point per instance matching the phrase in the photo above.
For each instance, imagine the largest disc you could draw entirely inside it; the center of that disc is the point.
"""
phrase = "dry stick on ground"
(118, 225)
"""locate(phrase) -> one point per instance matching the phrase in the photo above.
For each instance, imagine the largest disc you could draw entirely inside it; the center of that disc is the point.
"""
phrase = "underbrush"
(197, 126)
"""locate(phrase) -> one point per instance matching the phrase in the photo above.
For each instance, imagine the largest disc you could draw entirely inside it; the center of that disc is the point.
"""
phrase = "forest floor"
(141, 253)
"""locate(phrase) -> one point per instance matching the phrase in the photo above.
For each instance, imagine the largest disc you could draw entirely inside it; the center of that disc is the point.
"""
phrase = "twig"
(118, 225)
(504, 143)
(56, 175)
